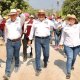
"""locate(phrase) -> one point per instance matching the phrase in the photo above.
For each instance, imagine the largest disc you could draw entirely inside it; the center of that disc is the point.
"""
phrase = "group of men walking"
(18, 26)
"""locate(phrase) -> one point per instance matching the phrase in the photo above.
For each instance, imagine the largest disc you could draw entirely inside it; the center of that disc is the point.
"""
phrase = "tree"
(71, 7)
(6, 5)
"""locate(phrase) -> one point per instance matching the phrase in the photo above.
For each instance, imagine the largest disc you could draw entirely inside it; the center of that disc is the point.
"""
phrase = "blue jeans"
(13, 49)
(71, 53)
(44, 44)
(57, 39)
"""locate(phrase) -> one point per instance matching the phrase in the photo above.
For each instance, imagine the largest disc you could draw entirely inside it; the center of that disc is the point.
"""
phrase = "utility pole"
(58, 5)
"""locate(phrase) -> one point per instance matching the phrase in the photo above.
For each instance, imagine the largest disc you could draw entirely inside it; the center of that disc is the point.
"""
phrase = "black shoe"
(38, 72)
(72, 68)
(45, 64)
(68, 76)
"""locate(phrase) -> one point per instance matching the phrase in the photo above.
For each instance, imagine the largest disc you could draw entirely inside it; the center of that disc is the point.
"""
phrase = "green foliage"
(71, 7)
(6, 5)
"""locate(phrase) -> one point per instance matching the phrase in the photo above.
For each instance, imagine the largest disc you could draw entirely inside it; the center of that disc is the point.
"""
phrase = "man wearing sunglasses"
(41, 30)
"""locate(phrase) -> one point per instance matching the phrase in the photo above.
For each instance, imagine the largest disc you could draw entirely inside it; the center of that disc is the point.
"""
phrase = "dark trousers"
(1, 33)
(57, 38)
(25, 43)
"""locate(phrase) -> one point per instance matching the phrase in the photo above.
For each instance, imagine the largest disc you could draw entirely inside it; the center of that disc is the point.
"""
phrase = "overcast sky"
(45, 4)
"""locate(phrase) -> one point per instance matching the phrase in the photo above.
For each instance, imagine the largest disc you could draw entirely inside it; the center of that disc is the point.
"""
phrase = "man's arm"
(62, 39)
(5, 34)
(31, 34)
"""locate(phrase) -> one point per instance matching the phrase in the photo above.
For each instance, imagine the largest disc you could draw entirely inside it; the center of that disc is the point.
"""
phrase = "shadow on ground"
(13, 66)
(61, 64)
(1, 61)
(28, 54)
(32, 62)
(61, 51)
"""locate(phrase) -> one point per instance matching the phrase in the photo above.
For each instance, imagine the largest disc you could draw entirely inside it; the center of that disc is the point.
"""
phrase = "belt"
(14, 40)
(41, 37)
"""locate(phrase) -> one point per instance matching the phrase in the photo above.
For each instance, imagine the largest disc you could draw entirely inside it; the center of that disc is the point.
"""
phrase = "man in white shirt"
(71, 40)
(13, 31)
(41, 30)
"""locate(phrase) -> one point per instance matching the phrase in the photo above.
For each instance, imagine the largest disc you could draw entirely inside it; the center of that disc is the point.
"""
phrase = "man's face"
(18, 13)
(41, 16)
(13, 17)
(59, 20)
(71, 21)
(27, 18)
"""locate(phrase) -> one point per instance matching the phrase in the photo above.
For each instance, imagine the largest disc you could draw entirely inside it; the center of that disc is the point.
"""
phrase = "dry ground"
(55, 70)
